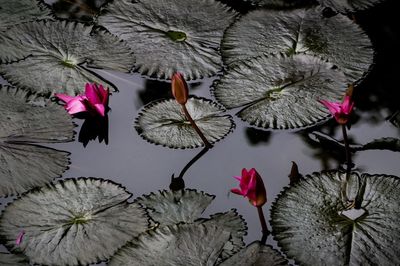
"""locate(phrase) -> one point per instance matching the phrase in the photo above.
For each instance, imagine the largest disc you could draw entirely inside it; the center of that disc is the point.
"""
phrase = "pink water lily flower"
(94, 100)
(341, 111)
(20, 236)
(252, 187)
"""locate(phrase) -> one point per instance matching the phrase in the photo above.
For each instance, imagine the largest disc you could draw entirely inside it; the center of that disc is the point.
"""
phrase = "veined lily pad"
(163, 122)
(256, 255)
(170, 36)
(281, 92)
(7, 259)
(22, 164)
(185, 244)
(57, 52)
(73, 222)
(308, 225)
(349, 6)
(169, 208)
(336, 39)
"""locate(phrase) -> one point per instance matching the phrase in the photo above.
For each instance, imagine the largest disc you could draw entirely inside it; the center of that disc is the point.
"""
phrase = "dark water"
(143, 167)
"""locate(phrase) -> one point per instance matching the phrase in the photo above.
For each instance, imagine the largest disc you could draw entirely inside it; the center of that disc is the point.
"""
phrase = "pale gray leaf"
(7, 259)
(349, 6)
(56, 53)
(73, 222)
(281, 92)
(336, 39)
(279, 4)
(308, 225)
(169, 208)
(170, 36)
(163, 122)
(185, 244)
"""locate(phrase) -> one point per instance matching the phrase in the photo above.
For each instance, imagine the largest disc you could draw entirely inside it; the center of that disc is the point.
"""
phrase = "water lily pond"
(146, 169)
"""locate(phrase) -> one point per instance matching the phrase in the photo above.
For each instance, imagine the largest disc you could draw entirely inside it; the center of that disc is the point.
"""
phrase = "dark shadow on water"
(80, 10)
(94, 127)
(154, 90)
(257, 136)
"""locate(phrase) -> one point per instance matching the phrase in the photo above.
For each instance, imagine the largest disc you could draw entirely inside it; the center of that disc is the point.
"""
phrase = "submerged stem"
(348, 164)
(196, 128)
(265, 231)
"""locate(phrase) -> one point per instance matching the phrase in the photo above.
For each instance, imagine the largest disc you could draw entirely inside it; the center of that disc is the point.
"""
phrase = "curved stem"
(265, 231)
(196, 128)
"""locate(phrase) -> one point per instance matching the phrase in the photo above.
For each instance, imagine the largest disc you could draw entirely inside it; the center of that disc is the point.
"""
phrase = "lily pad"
(55, 53)
(7, 259)
(308, 225)
(280, 92)
(73, 222)
(349, 6)
(24, 165)
(256, 254)
(170, 36)
(164, 123)
(169, 208)
(279, 4)
(336, 39)
(185, 244)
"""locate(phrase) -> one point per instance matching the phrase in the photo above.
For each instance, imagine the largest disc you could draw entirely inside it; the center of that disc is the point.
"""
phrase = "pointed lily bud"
(251, 187)
(341, 111)
(180, 89)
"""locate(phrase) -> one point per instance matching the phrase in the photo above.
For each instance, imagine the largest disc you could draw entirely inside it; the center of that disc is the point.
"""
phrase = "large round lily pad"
(336, 39)
(310, 223)
(163, 122)
(24, 165)
(349, 6)
(170, 36)
(73, 222)
(55, 55)
(185, 244)
(281, 92)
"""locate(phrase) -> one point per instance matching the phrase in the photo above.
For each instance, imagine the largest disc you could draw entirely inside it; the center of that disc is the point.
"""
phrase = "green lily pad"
(164, 123)
(170, 36)
(349, 6)
(308, 223)
(336, 39)
(168, 208)
(24, 165)
(280, 92)
(55, 54)
(256, 254)
(185, 244)
(7, 259)
(73, 222)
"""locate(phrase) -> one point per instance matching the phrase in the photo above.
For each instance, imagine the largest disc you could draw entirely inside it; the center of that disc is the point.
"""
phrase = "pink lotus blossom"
(251, 187)
(20, 236)
(94, 100)
(341, 111)
(180, 89)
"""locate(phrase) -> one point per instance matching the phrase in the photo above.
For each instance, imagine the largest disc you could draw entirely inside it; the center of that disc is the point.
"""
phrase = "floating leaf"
(163, 122)
(75, 221)
(185, 244)
(22, 164)
(170, 36)
(279, 4)
(57, 52)
(169, 208)
(308, 224)
(349, 6)
(336, 39)
(391, 144)
(7, 259)
(256, 254)
(279, 92)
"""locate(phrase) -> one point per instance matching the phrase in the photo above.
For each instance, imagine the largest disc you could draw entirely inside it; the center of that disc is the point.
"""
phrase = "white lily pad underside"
(349, 6)
(164, 123)
(55, 53)
(171, 36)
(280, 92)
(336, 39)
(307, 224)
(73, 222)
(24, 165)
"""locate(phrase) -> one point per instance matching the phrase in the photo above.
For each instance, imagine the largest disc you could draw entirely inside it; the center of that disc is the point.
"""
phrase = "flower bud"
(180, 89)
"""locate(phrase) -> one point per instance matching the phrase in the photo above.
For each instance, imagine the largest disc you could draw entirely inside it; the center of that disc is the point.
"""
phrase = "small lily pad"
(24, 165)
(280, 92)
(7, 259)
(163, 122)
(169, 207)
(256, 254)
(55, 53)
(349, 6)
(170, 36)
(301, 31)
(308, 224)
(73, 222)
(185, 244)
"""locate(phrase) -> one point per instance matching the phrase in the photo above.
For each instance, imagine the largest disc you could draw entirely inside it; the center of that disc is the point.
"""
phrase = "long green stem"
(265, 231)
(348, 164)
(196, 128)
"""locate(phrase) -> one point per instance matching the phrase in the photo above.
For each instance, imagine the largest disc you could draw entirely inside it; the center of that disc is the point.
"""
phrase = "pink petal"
(76, 105)
(104, 95)
(237, 191)
(20, 237)
(347, 105)
(333, 107)
(238, 178)
(100, 109)
(92, 93)
(64, 97)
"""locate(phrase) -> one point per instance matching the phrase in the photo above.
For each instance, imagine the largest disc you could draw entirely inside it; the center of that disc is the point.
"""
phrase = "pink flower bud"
(252, 187)
(341, 111)
(180, 89)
